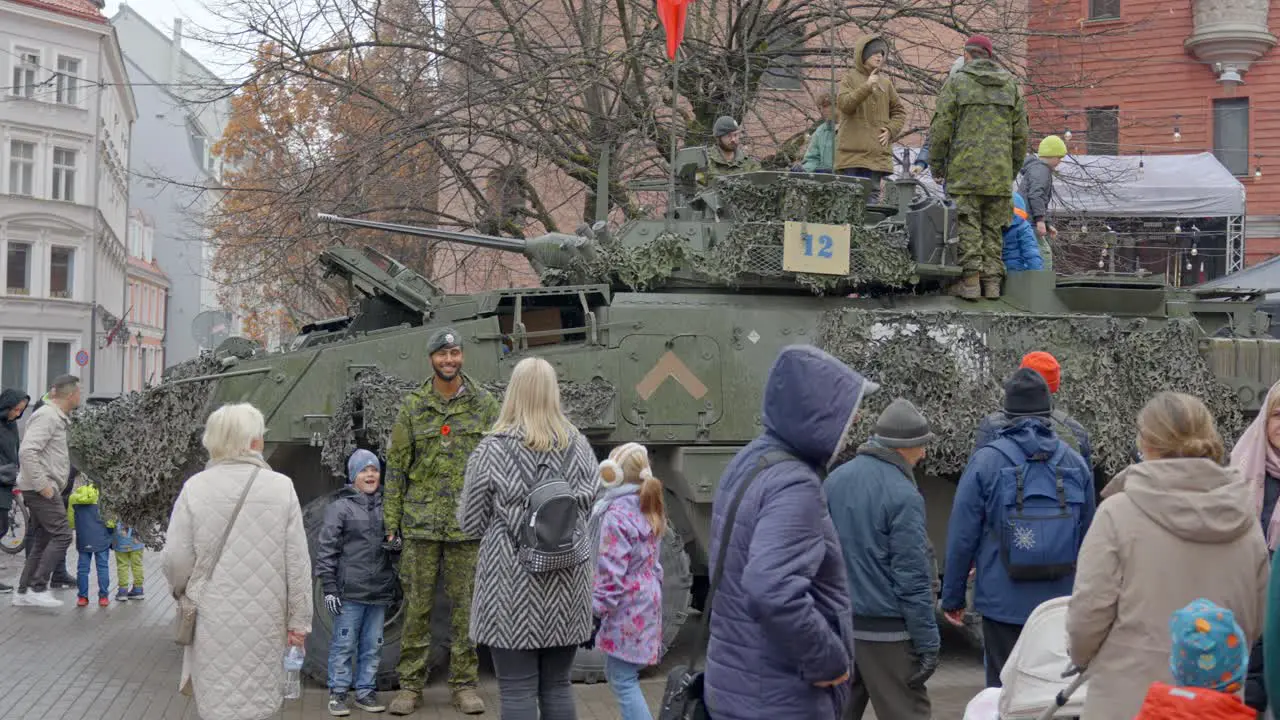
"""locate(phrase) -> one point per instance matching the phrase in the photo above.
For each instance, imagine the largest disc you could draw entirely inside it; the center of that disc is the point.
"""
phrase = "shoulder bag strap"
(217, 552)
(772, 457)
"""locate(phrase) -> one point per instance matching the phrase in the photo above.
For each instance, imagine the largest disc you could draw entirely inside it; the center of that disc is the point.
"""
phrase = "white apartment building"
(183, 111)
(66, 117)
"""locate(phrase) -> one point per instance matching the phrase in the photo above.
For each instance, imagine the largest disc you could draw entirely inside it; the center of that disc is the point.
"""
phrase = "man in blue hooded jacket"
(986, 491)
(781, 641)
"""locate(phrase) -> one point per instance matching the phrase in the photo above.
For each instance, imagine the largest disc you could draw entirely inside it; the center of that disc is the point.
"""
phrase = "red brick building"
(1134, 77)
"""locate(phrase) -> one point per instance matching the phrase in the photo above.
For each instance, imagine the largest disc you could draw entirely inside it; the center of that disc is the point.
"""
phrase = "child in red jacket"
(1208, 663)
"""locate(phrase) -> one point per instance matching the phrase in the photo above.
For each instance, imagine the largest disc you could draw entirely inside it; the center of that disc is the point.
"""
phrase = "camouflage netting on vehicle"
(754, 246)
(141, 448)
(761, 210)
(374, 398)
(952, 366)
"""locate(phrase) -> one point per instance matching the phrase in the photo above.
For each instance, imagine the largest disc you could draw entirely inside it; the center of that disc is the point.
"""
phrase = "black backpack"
(552, 530)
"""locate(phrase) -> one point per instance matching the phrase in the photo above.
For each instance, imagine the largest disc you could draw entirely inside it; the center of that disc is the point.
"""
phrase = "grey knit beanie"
(901, 426)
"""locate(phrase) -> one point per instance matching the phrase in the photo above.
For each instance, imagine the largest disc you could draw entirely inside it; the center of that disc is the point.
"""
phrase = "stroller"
(1033, 677)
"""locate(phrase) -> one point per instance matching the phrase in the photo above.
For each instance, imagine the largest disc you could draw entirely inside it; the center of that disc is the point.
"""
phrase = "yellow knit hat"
(1052, 146)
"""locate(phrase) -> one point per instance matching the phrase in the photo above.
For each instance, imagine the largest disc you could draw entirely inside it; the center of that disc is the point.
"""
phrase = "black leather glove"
(591, 641)
(394, 545)
(926, 664)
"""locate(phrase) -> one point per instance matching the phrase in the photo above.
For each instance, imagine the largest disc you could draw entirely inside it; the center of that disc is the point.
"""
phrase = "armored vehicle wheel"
(677, 583)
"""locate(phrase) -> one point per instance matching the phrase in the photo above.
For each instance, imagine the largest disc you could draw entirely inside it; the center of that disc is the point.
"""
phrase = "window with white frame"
(18, 270)
(57, 361)
(61, 267)
(64, 174)
(25, 68)
(67, 87)
(148, 242)
(13, 363)
(22, 167)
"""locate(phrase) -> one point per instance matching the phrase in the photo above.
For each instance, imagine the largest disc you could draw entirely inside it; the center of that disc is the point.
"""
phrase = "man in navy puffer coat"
(781, 642)
(972, 537)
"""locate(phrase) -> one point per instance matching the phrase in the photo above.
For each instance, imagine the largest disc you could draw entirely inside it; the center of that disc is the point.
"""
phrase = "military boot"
(467, 702)
(405, 702)
(967, 287)
(991, 288)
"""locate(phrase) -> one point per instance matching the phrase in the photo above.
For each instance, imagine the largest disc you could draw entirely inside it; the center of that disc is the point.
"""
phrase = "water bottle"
(293, 672)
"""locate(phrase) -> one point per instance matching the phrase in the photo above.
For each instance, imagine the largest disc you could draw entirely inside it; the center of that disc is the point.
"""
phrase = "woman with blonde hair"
(253, 591)
(1178, 508)
(628, 524)
(532, 621)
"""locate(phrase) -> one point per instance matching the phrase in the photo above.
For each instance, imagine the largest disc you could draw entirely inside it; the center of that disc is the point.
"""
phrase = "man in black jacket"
(359, 583)
(13, 403)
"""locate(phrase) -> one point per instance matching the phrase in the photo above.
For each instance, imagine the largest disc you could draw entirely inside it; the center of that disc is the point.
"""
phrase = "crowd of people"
(976, 148)
(825, 582)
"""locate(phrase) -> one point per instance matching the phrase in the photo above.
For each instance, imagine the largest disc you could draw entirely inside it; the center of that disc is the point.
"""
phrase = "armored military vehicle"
(662, 332)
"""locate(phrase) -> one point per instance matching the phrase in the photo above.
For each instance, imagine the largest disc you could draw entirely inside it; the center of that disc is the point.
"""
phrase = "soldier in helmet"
(726, 158)
(438, 426)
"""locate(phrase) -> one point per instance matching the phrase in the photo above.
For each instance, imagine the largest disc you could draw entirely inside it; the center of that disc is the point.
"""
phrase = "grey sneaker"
(368, 702)
(338, 705)
(43, 599)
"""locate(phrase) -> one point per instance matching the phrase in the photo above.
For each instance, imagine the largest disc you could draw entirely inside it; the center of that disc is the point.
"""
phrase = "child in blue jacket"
(128, 563)
(93, 540)
(1021, 249)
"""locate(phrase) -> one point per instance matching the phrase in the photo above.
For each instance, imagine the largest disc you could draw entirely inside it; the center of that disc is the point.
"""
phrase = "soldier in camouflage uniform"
(725, 157)
(438, 426)
(977, 140)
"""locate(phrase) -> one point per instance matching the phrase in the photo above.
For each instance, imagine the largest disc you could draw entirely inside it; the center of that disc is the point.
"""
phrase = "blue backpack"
(1038, 507)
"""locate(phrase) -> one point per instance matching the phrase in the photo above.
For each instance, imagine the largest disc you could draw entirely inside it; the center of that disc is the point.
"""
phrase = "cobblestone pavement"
(119, 663)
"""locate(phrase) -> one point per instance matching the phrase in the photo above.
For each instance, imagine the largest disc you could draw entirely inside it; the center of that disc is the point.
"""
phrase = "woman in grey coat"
(532, 623)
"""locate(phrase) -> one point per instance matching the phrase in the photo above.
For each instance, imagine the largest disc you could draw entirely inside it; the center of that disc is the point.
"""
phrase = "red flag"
(672, 13)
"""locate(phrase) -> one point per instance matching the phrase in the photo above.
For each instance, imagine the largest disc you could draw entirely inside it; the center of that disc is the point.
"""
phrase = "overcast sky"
(162, 13)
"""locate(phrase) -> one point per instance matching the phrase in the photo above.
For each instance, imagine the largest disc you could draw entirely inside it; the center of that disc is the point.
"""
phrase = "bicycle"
(15, 538)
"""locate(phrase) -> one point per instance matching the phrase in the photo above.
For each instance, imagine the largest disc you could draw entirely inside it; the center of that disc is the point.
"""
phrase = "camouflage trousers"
(982, 219)
(422, 563)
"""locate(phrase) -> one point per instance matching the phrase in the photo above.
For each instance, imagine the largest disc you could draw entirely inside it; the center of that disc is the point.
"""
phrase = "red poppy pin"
(444, 429)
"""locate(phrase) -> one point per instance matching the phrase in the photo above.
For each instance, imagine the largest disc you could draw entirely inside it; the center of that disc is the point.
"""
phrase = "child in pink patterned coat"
(627, 594)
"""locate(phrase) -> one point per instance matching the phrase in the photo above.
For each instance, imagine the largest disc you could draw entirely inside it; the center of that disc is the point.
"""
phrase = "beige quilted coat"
(261, 589)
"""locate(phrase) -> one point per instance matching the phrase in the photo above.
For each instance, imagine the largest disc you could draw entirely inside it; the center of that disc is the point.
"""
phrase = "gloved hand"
(334, 604)
(393, 544)
(591, 641)
(926, 664)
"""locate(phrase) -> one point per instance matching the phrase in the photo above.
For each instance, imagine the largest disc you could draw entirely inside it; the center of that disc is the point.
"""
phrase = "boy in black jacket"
(359, 583)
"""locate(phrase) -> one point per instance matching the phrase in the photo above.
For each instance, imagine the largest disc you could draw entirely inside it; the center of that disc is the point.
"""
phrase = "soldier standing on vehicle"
(977, 140)
(438, 426)
(726, 157)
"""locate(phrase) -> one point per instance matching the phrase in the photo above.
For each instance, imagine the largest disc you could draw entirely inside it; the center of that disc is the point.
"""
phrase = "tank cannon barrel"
(564, 254)
(492, 242)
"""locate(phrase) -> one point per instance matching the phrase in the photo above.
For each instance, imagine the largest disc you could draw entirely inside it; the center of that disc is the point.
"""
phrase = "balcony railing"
(18, 291)
(60, 294)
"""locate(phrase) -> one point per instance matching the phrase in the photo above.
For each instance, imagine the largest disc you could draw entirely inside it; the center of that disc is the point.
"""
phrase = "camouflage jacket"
(430, 444)
(979, 131)
(717, 165)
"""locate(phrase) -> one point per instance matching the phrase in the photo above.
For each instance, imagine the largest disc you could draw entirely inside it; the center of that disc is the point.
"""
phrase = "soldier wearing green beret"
(438, 426)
